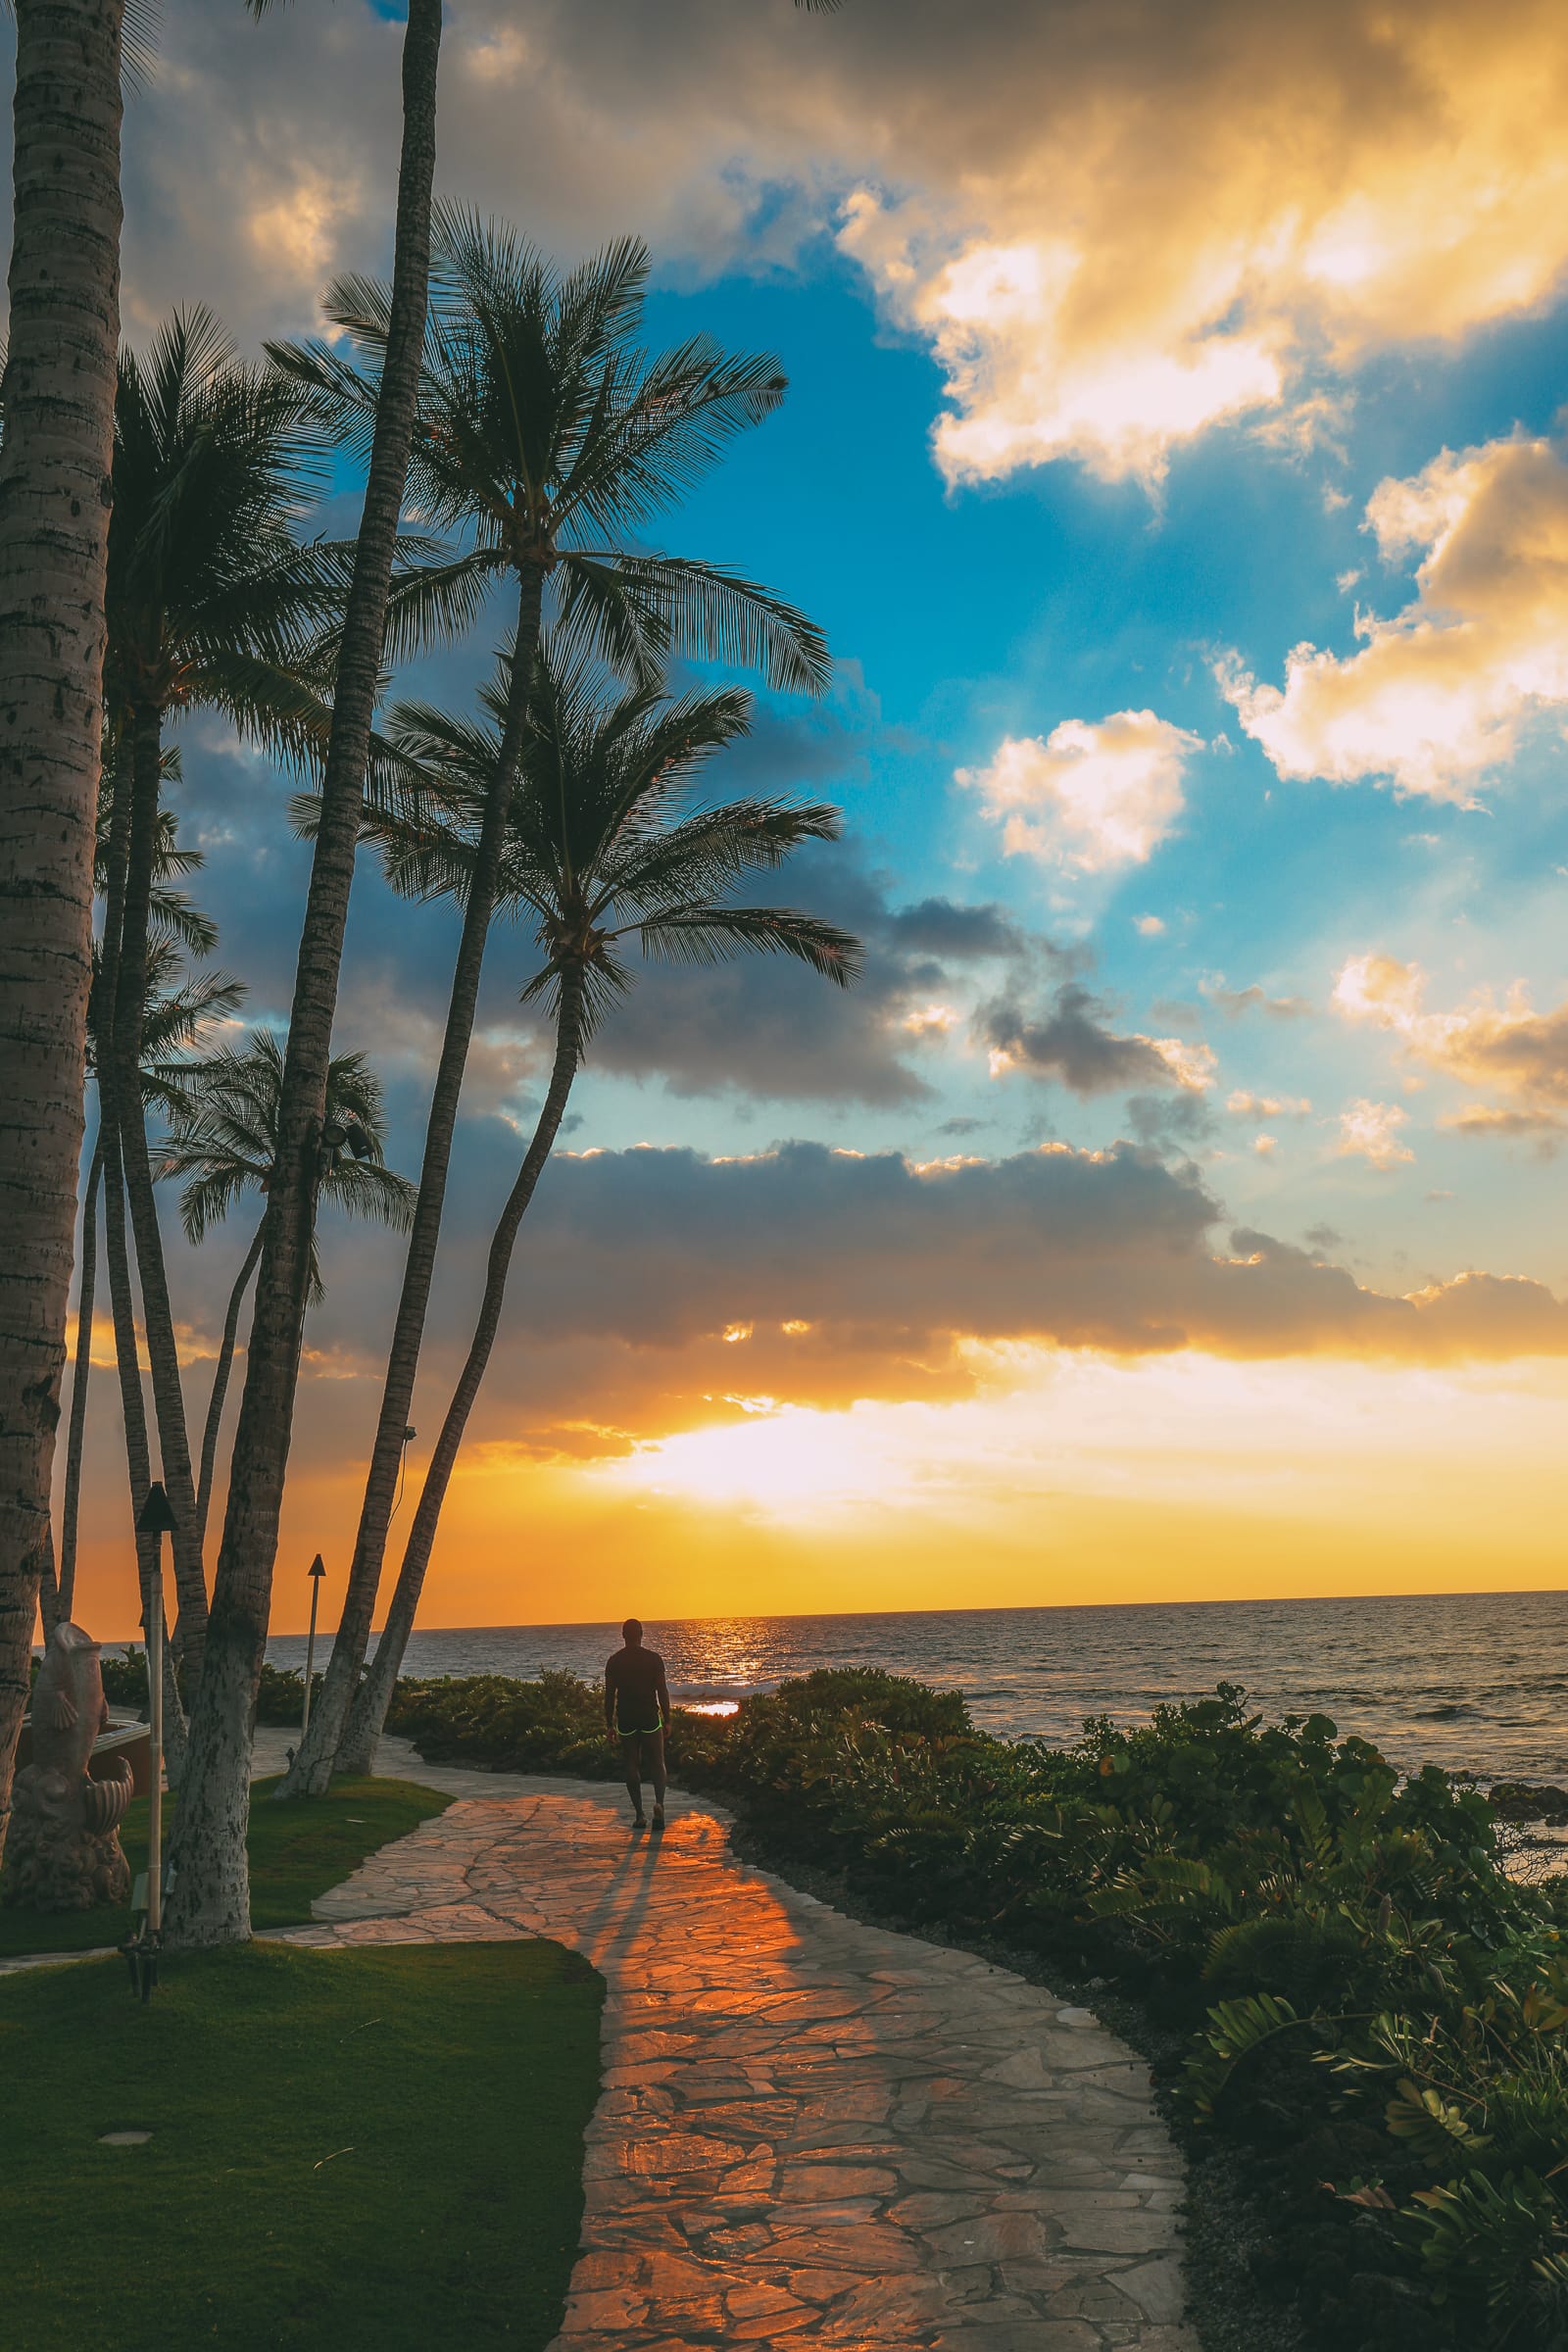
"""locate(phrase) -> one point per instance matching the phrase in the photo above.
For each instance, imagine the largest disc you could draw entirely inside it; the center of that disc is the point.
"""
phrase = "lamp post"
(317, 1572)
(158, 1520)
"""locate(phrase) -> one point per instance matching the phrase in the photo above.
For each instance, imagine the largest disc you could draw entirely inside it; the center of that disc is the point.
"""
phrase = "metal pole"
(317, 1572)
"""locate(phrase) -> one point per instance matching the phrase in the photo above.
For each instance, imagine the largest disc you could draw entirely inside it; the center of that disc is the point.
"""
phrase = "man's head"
(631, 1633)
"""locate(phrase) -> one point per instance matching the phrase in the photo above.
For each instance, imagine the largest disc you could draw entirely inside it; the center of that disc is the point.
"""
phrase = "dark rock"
(1528, 1800)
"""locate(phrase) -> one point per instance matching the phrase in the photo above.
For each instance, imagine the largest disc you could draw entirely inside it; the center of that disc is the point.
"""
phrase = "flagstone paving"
(811, 2132)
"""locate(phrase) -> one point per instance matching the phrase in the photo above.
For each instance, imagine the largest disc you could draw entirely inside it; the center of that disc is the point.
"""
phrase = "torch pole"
(157, 1520)
(317, 1572)
(155, 1748)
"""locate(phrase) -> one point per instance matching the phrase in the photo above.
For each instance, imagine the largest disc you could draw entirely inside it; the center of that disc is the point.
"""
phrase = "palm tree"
(177, 1012)
(608, 848)
(54, 526)
(211, 603)
(225, 1144)
(212, 1899)
(176, 921)
(546, 439)
(54, 519)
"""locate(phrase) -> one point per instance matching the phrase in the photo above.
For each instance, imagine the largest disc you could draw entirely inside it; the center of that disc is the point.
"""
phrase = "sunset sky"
(1173, 456)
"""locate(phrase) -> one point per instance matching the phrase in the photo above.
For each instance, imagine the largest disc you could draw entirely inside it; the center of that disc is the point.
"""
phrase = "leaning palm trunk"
(117, 1249)
(158, 1315)
(225, 1360)
(313, 1768)
(210, 1901)
(133, 1412)
(49, 1610)
(71, 1502)
(54, 532)
(358, 1747)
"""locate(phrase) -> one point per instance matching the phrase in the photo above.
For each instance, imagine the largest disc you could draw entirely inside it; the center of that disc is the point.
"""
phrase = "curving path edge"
(810, 2131)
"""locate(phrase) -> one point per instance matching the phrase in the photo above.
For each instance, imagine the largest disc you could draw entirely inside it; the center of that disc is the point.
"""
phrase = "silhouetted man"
(636, 1711)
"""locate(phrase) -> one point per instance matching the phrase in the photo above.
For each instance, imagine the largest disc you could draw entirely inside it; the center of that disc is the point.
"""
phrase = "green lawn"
(298, 1851)
(374, 2151)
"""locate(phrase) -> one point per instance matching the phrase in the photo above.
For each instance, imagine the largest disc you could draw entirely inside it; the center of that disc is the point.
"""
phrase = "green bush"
(280, 1697)
(556, 1724)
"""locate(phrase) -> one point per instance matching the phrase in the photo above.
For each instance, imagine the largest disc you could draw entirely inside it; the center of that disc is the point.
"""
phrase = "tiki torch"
(317, 1572)
(155, 1519)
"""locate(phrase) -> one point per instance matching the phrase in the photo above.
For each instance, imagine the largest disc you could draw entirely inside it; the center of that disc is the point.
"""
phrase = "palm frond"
(705, 611)
(706, 934)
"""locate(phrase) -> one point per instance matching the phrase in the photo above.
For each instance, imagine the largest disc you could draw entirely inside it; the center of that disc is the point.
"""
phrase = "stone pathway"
(810, 2131)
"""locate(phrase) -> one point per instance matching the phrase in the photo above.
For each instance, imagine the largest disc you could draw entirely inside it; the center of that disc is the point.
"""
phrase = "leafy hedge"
(1365, 2002)
(554, 1724)
(280, 1699)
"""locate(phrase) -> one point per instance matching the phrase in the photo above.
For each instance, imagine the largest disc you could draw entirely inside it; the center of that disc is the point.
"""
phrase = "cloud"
(1088, 797)
(1203, 211)
(1234, 1002)
(1440, 694)
(1073, 1043)
(659, 1288)
(1114, 230)
(1369, 1131)
(768, 1029)
(1508, 1048)
(1148, 926)
(1491, 1118)
(1248, 1106)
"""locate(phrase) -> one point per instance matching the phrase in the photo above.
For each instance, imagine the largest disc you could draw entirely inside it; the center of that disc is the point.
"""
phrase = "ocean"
(1473, 1682)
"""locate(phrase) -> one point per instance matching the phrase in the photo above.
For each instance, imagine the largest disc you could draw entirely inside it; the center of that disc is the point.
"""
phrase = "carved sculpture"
(64, 1852)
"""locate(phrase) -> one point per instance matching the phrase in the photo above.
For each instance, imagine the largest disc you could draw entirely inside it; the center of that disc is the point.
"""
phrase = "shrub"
(280, 1697)
(556, 1724)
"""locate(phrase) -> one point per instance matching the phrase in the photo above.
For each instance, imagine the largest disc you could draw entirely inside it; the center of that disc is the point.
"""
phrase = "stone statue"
(64, 1852)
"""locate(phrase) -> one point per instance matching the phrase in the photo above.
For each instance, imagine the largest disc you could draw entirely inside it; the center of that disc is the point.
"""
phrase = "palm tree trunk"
(357, 1751)
(312, 1770)
(77, 1433)
(134, 1413)
(210, 1901)
(226, 1358)
(130, 1118)
(54, 534)
(50, 1612)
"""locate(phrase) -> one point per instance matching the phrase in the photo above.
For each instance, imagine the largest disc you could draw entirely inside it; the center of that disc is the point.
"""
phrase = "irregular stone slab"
(810, 2131)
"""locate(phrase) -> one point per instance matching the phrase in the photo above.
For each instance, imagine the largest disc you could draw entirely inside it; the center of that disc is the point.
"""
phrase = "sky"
(1173, 456)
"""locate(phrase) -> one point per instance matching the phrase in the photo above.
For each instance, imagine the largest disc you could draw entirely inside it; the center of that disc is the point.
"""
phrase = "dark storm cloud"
(769, 1028)
(1072, 1041)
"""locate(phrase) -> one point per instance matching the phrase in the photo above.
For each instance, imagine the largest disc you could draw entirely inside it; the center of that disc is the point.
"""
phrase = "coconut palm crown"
(224, 1141)
(606, 851)
(225, 1144)
(549, 442)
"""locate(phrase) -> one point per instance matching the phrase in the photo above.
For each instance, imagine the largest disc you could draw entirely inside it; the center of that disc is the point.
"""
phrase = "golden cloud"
(1115, 228)
(1506, 1047)
(1215, 207)
(1369, 1131)
(1088, 797)
(1441, 693)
